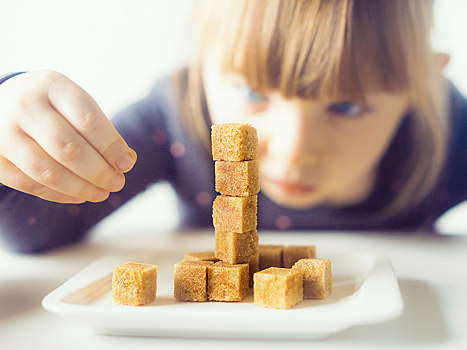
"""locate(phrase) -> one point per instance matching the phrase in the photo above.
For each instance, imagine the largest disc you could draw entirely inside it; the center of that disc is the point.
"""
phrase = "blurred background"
(116, 49)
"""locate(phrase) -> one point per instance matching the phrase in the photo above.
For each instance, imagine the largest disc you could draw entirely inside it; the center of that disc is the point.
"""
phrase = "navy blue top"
(153, 128)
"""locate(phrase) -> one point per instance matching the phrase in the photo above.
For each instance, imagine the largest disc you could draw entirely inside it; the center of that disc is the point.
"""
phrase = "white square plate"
(365, 291)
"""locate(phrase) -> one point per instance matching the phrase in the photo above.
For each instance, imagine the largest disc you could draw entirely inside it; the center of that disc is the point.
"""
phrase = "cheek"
(362, 153)
(262, 145)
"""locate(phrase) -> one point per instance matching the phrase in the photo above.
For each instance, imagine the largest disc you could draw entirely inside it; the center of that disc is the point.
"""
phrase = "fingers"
(42, 176)
(12, 177)
(68, 148)
(86, 117)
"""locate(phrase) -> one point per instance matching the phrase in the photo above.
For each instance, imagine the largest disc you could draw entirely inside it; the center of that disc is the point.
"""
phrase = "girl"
(357, 128)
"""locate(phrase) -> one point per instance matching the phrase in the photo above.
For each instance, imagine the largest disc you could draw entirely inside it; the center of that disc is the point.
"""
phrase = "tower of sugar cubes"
(235, 152)
(227, 273)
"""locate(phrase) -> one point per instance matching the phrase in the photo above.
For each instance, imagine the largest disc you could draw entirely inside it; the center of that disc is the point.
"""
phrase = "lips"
(292, 188)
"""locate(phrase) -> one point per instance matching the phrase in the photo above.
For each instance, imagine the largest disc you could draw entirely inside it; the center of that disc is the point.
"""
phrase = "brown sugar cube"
(227, 282)
(237, 214)
(190, 280)
(134, 283)
(270, 256)
(293, 253)
(238, 179)
(200, 256)
(236, 247)
(317, 277)
(234, 142)
(278, 288)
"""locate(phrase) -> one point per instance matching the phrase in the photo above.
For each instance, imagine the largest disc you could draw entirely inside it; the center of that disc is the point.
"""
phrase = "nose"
(297, 138)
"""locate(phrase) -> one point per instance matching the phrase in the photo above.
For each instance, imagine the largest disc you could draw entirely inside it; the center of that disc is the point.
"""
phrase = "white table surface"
(432, 274)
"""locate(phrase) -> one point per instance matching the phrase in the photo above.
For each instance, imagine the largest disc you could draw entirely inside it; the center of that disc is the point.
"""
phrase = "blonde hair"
(340, 48)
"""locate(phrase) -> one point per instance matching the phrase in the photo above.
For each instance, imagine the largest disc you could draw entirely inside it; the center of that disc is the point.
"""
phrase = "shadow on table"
(421, 323)
(21, 296)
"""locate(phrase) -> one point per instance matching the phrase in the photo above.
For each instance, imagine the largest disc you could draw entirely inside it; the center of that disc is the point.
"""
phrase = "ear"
(442, 59)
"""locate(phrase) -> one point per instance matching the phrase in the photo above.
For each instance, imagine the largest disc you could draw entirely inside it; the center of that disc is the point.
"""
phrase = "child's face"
(310, 151)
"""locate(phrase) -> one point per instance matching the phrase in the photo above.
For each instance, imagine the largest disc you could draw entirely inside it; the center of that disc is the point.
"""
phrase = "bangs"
(342, 49)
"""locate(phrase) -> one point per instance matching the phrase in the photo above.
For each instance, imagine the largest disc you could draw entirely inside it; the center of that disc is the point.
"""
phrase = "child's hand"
(56, 143)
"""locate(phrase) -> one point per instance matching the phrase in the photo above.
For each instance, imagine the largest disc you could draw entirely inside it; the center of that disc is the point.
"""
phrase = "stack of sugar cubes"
(235, 152)
(227, 275)
(281, 276)
(288, 273)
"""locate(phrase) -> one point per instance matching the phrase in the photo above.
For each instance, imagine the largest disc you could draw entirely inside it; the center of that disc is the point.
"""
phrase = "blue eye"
(252, 95)
(346, 109)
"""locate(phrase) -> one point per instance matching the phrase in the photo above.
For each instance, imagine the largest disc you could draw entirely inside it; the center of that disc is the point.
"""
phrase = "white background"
(116, 49)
